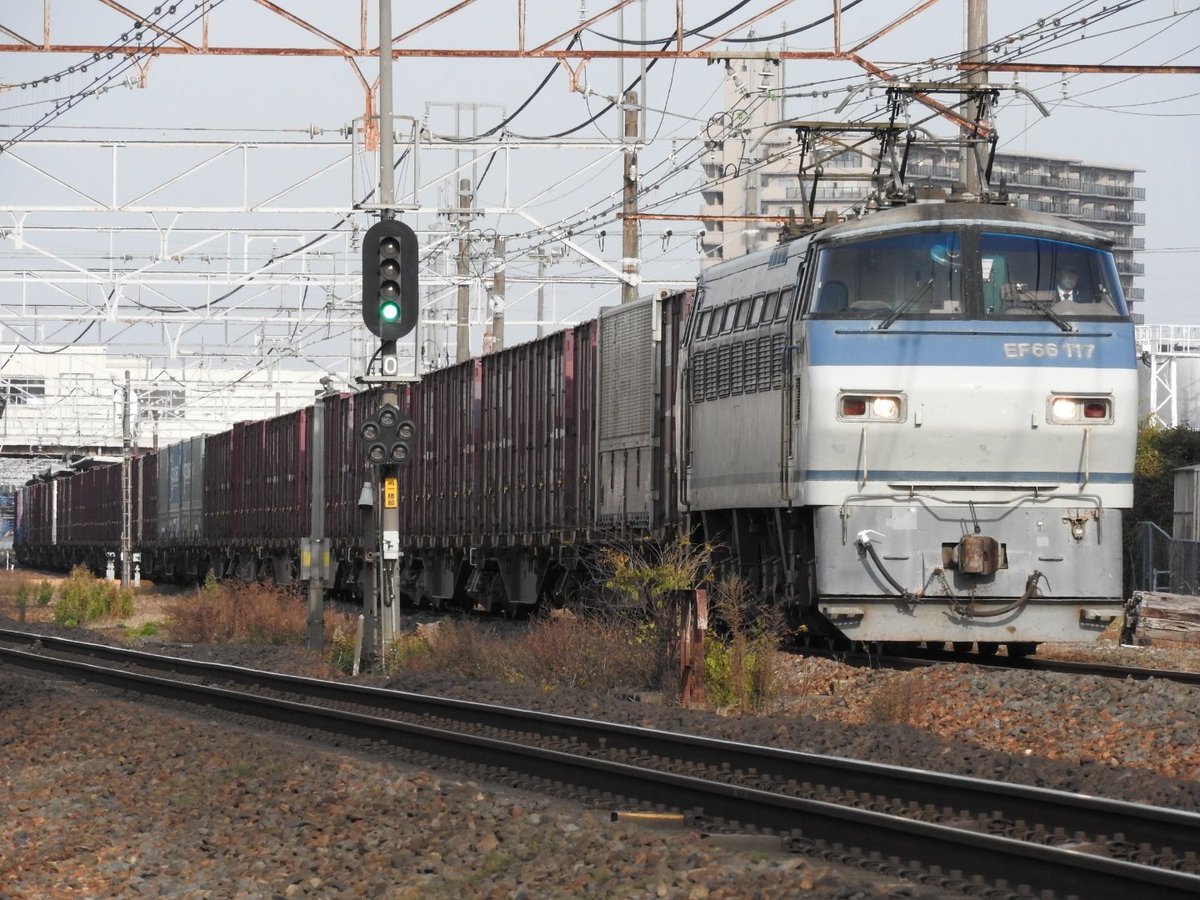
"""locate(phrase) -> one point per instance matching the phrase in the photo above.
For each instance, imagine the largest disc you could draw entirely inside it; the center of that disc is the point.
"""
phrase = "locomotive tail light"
(1067, 410)
(871, 407)
(854, 407)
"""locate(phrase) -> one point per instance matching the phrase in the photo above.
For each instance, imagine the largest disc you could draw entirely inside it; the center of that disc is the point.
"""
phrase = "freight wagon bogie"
(514, 583)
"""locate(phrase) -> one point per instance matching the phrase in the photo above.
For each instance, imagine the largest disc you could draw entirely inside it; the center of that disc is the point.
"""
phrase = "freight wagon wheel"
(963, 646)
(1021, 649)
(988, 649)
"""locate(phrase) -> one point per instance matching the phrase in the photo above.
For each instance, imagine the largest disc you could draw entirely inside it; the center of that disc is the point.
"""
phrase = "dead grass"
(897, 699)
(241, 613)
(555, 652)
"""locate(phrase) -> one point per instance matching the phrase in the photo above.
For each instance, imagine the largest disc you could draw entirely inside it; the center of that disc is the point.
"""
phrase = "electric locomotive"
(902, 428)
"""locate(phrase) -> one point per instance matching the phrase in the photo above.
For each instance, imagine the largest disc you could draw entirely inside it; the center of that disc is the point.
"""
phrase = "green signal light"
(389, 311)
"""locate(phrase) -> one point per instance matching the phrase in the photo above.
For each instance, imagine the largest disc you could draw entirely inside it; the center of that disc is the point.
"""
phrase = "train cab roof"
(948, 212)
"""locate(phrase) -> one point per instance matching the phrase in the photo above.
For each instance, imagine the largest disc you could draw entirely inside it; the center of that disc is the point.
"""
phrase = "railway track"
(926, 658)
(1012, 840)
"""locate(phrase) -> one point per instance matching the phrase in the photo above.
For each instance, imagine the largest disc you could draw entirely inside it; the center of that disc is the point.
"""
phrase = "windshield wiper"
(903, 307)
(1044, 308)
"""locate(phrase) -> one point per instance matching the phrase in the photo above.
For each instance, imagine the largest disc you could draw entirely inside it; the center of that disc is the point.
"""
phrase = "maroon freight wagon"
(526, 458)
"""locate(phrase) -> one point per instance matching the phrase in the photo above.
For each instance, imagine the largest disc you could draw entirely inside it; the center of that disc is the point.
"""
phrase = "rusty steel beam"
(916, 10)
(12, 34)
(433, 20)
(429, 52)
(616, 7)
(307, 26)
(981, 131)
(141, 21)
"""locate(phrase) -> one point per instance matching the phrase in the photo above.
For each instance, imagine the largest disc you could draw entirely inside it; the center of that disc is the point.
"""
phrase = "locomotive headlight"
(870, 407)
(887, 408)
(1063, 409)
(1071, 410)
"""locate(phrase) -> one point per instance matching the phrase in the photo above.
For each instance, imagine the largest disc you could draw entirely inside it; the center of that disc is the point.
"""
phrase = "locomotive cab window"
(916, 275)
(785, 302)
(705, 321)
(1025, 275)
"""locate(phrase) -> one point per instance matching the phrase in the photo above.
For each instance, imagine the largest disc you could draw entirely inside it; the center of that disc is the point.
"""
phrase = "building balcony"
(1124, 191)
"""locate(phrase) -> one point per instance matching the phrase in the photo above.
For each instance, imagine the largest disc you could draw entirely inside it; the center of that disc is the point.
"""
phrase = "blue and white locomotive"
(904, 428)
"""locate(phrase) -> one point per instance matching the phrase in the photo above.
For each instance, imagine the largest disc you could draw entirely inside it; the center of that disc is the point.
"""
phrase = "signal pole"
(389, 556)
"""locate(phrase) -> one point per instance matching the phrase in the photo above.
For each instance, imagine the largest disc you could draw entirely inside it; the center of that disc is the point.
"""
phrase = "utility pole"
(462, 342)
(630, 261)
(541, 256)
(498, 246)
(976, 52)
(126, 491)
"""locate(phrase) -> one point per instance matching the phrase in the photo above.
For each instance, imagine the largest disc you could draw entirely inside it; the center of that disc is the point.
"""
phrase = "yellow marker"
(391, 493)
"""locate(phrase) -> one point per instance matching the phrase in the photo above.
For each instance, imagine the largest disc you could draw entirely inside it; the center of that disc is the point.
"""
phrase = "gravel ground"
(112, 798)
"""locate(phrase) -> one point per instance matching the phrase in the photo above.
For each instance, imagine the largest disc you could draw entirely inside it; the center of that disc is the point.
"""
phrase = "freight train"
(897, 428)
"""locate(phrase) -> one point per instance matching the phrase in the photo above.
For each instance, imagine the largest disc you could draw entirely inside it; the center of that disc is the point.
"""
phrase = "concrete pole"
(974, 157)
(630, 261)
(498, 246)
(463, 334)
(126, 490)
(541, 303)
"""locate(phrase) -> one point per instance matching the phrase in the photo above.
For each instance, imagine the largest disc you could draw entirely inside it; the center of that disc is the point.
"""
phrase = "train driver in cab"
(1066, 286)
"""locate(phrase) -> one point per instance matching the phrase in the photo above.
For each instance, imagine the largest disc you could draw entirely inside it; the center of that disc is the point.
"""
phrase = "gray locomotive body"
(902, 430)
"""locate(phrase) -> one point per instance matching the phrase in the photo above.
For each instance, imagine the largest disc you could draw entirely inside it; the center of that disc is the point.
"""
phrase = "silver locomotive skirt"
(915, 570)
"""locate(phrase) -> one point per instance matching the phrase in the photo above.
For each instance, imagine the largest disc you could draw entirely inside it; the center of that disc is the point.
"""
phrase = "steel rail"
(1138, 824)
(976, 854)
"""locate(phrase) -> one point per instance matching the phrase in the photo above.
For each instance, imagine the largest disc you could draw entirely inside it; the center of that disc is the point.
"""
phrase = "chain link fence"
(1164, 563)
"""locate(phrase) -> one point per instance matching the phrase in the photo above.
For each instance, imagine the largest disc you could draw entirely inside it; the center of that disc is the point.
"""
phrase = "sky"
(1147, 121)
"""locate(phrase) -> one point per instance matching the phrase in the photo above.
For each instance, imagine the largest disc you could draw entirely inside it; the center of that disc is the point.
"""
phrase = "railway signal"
(388, 437)
(389, 272)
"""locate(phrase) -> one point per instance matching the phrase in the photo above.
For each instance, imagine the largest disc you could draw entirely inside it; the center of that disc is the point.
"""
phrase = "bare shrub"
(897, 700)
(591, 654)
(85, 598)
(236, 612)
(584, 653)
(745, 656)
(648, 574)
